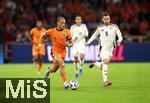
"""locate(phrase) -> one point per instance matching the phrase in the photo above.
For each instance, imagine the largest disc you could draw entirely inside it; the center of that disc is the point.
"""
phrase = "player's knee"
(76, 59)
(62, 65)
(106, 61)
(54, 69)
(81, 56)
(40, 58)
(35, 58)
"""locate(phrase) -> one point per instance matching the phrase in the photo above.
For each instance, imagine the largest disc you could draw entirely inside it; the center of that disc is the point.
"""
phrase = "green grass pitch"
(131, 83)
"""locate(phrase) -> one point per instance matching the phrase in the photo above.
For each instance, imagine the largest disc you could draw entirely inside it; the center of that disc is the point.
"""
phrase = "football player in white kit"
(107, 33)
(79, 33)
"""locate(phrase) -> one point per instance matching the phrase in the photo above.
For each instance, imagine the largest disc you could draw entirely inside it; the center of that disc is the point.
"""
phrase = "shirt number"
(106, 33)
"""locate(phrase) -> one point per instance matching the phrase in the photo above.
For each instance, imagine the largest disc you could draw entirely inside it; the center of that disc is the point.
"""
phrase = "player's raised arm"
(30, 36)
(96, 34)
(119, 35)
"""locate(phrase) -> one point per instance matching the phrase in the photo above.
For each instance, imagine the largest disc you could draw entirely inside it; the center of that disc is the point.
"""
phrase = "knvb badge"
(24, 90)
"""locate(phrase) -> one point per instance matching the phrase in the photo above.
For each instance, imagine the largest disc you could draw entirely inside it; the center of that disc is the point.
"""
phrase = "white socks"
(76, 67)
(98, 64)
(104, 72)
(81, 63)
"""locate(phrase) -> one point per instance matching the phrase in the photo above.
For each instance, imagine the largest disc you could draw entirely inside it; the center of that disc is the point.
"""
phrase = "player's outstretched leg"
(81, 67)
(39, 63)
(81, 64)
(47, 72)
(51, 70)
(91, 65)
(60, 62)
(98, 64)
(76, 67)
(64, 77)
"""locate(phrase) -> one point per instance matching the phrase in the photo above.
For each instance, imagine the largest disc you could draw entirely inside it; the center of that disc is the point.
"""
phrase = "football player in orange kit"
(61, 37)
(34, 37)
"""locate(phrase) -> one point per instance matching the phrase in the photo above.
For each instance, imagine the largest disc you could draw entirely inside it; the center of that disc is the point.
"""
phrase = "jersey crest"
(64, 35)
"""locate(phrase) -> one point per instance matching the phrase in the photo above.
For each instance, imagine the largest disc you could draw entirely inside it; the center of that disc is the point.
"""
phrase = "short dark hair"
(105, 14)
(78, 16)
(59, 18)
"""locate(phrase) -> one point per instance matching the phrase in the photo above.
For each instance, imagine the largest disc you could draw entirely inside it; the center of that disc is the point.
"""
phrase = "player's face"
(61, 23)
(106, 20)
(39, 24)
(78, 20)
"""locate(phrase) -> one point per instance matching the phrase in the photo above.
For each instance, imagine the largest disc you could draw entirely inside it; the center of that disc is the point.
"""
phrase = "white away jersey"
(107, 36)
(80, 32)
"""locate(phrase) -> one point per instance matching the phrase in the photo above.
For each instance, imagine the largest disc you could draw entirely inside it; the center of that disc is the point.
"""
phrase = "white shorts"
(105, 54)
(78, 50)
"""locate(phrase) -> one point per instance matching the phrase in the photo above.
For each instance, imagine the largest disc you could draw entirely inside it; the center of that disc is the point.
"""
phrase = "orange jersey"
(59, 38)
(36, 35)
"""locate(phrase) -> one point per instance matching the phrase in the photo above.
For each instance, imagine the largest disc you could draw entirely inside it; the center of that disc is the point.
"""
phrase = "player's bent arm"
(119, 35)
(96, 34)
(86, 31)
(70, 43)
(30, 36)
(40, 41)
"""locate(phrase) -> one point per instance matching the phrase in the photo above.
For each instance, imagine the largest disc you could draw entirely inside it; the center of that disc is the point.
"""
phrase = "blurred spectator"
(22, 36)
(19, 16)
(143, 26)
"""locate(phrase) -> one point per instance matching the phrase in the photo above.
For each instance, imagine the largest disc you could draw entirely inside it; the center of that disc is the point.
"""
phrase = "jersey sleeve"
(31, 32)
(96, 34)
(49, 32)
(118, 33)
(86, 31)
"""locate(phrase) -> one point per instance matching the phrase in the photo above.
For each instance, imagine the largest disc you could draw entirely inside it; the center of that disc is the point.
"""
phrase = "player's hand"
(74, 40)
(39, 46)
(86, 44)
(118, 43)
(69, 44)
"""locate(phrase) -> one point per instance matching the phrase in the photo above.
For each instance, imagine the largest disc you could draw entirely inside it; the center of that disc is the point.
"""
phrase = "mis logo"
(27, 90)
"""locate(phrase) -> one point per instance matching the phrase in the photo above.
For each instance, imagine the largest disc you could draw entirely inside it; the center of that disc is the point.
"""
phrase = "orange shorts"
(36, 51)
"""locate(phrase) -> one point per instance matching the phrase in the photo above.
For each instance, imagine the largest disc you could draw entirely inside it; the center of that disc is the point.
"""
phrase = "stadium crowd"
(19, 16)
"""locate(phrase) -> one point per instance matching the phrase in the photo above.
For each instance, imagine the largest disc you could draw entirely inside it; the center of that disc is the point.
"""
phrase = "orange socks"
(39, 66)
(64, 78)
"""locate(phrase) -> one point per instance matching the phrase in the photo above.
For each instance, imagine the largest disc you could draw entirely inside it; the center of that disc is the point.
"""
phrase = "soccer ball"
(74, 84)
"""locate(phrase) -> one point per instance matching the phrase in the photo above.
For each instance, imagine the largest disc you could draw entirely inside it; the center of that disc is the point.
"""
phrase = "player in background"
(79, 33)
(107, 33)
(34, 37)
(61, 37)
